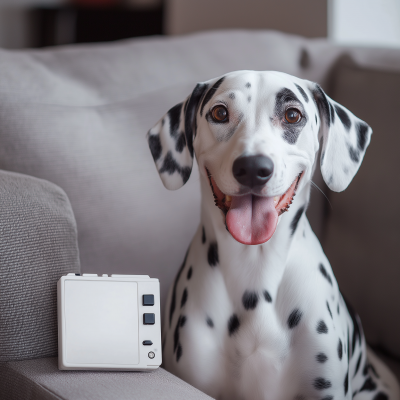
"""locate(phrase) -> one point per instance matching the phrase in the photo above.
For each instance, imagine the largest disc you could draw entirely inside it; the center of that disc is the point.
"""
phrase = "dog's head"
(256, 136)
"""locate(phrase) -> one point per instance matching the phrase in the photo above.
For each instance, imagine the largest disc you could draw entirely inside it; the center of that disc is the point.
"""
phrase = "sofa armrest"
(38, 244)
(41, 380)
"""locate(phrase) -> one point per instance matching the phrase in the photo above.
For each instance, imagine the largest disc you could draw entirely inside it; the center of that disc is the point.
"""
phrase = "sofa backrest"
(77, 116)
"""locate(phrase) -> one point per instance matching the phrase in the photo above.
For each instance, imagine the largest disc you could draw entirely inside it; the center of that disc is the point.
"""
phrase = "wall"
(365, 22)
(303, 17)
(359, 22)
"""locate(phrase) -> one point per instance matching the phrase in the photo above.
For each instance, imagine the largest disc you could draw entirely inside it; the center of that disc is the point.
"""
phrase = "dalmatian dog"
(255, 311)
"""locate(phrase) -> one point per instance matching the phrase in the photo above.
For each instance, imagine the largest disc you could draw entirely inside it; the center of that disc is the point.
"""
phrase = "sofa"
(79, 191)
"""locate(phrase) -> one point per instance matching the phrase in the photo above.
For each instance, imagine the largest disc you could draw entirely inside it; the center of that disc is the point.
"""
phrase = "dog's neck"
(246, 267)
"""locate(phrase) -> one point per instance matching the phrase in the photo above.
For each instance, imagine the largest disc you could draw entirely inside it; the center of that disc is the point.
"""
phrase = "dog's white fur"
(263, 321)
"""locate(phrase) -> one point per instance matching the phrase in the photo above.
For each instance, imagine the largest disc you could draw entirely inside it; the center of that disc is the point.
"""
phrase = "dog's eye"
(293, 115)
(219, 114)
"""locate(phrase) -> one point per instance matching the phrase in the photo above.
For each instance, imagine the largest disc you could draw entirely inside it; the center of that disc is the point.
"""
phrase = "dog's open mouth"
(252, 219)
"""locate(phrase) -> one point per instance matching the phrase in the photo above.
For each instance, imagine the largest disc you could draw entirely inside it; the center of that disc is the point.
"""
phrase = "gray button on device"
(151, 354)
(149, 319)
(148, 299)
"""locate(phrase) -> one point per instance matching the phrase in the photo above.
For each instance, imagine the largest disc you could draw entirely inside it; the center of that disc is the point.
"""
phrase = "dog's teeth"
(276, 200)
(228, 198)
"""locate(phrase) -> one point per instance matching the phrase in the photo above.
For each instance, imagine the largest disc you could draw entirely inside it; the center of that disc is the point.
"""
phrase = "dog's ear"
(344, 140)
(171, 140)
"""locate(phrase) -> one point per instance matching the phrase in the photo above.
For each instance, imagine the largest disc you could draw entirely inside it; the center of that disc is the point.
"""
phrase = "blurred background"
(77, 117)
(38, 23)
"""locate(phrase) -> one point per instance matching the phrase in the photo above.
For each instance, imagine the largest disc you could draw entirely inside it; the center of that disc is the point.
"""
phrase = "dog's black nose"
(253, 171)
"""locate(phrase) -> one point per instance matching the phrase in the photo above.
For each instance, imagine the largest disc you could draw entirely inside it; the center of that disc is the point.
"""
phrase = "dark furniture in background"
(58, 25)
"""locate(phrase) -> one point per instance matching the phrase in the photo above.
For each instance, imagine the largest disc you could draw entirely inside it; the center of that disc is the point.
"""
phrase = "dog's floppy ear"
(171, 140)
(345, 139)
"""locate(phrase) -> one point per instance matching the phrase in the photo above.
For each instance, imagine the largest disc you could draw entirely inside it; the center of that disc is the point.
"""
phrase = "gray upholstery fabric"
(38, 244)
(77, 116)
(41, 380)
(363, 234)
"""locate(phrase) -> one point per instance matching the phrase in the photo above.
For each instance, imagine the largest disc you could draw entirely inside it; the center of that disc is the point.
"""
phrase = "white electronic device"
(108, 322)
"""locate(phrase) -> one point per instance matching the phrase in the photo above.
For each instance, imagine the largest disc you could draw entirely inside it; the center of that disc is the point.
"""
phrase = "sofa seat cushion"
(41, 379)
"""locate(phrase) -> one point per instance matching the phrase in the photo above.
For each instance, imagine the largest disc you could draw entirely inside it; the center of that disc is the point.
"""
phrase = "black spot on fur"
(369, 367)
(348, 344)
(212, 255)
(329, 309)
(357, 329)
(248, 85)
(332, 111)
(343, 116)
(174, 115)
(373, 370)
(250, 300)
(203, 236)
(232, 96)
(338, 309)
(179, 353)
(346, 383)
(321, 357)
(381, 396)
(340, 349)
(183, 321)
(321, 327)
(296, 219)
(249, 99)
(322, 383)
(284, 98)
(316, 119)
(327, 398)
(210, 322)
(354, 154)
(185, 174)
(303, 93)
(358, 364)
(155, 146)
(322, 104)
(325, 273)
(267, 296)
(210, 93)
(190, 114)
(189, 273)
(294, 318)
(171, 166)
(362, 130)
(233, 324)
(369, 385)
(180, 143)
(173, 300)
(184, 297)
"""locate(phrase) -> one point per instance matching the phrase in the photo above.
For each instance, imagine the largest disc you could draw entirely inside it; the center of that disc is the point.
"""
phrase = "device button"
(147, 342)
(148, 299)
(151, 354)
(149, 319)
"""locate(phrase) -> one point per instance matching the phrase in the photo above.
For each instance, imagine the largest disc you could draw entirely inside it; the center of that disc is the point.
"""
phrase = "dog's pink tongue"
(252, 219)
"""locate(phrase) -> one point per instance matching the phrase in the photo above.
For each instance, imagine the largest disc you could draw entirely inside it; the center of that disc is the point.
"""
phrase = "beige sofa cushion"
(363, 237)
